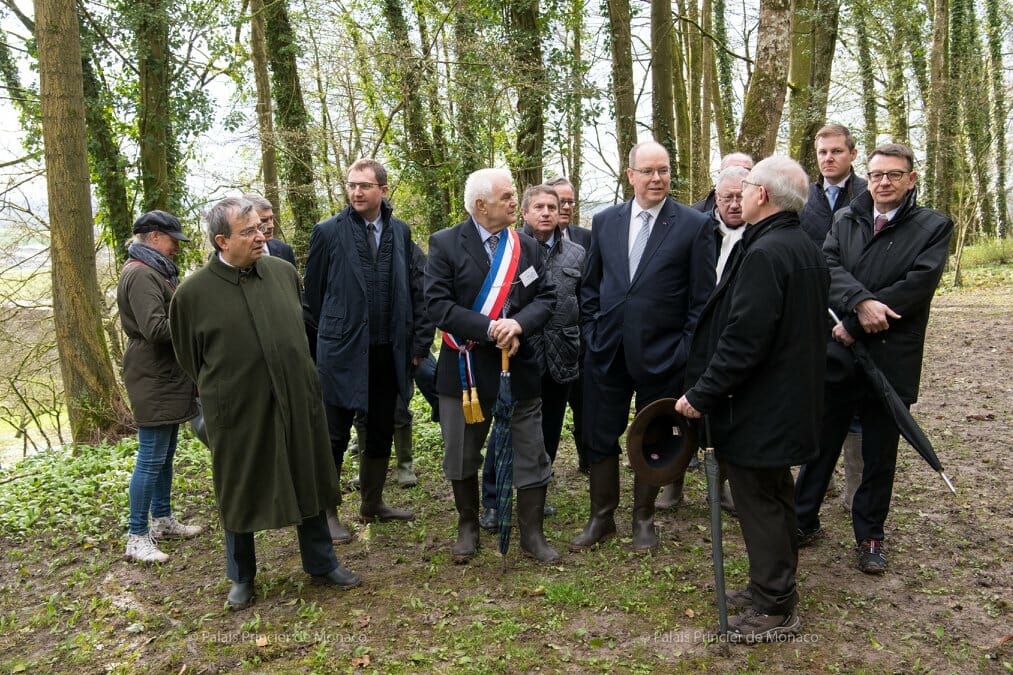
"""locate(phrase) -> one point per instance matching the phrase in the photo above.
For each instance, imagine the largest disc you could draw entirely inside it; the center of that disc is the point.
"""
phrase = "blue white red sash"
(489, 302)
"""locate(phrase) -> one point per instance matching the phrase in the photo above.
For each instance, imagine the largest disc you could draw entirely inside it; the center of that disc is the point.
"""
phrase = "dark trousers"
(576, 401)
(315, 548)
(766, 511)
(607, 394)
(553, 410)
(381, 402)
(843, 402)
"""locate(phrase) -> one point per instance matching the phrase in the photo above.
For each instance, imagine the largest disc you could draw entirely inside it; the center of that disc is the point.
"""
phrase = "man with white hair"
(756, 370)
(486, 289)
(740, 159)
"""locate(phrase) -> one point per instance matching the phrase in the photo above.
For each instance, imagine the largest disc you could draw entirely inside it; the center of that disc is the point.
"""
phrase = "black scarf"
(155, 260)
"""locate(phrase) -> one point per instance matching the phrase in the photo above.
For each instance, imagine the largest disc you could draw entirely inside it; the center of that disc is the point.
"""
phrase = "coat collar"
(233, 274)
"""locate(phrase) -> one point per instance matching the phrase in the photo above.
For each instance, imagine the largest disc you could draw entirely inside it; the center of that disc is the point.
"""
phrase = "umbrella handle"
(504, 360)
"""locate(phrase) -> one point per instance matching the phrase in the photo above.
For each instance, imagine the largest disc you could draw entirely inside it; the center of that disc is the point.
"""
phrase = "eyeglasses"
(892, 176)
(352, 187)
(648, 173)
(730, 199)
(567, 202)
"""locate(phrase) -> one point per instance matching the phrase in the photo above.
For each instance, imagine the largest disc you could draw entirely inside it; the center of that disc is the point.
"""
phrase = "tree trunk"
(995, 32)
(726, 124)
(575, 110)
(265, 125)
(764, 104)
(467, 97)
(155, 110)
(663, 84)
(407, 71)
(895, 96)
(532, 91)
(682, 160)
(867, 80)
(941, 116)
(94, 403)
(699, 175)
(622, 85)
(814, 42)
(292, 120)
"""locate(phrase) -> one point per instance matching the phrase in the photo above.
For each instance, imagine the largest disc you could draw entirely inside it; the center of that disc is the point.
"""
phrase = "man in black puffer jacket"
(886, 255)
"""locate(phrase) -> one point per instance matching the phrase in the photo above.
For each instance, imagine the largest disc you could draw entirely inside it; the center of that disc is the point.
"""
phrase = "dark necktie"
(492, 242)
(881, 222)
(371, 238)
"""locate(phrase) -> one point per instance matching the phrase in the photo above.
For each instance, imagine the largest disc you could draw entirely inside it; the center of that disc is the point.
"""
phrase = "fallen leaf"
(361, 660)
(363, 621)
(690, 613)
(261, 640)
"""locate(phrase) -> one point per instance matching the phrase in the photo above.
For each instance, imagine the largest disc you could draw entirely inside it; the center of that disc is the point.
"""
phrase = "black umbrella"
(906, 424)
(714, 501)
(501, 444)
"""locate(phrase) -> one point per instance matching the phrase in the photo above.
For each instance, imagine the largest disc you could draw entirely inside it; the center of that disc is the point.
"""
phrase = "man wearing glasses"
(648, 273)
(237, 331)
(265, 211)
(366, 305)
(886, 255)
(570, 228)
(756, 369)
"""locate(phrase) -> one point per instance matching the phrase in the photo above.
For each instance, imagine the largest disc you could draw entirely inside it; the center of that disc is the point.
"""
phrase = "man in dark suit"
(648, 274)
(837, 186)
(487, 290)
(265, 211)
(367, 307)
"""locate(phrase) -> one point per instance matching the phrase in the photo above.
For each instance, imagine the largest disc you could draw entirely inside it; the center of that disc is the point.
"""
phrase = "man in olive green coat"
(237, 331)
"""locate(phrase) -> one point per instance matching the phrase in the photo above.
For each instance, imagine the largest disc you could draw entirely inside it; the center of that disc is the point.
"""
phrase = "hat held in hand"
(660, 442)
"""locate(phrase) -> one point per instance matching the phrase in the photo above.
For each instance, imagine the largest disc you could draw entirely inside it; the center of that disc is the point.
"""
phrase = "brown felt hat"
(660, 442)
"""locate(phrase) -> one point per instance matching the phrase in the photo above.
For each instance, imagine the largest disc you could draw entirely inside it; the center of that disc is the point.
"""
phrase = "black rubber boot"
(466, 500)
(604, 491)
(372, 476)
(644, 536)
(530, 511)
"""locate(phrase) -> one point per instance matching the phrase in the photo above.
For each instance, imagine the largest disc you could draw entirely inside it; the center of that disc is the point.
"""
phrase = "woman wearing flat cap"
(161, 394)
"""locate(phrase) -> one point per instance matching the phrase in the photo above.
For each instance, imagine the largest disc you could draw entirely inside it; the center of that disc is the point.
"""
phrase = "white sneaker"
(170, 528)
(142, 548)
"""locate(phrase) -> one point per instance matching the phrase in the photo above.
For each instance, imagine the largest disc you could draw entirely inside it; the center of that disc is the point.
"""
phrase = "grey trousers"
(463, 443)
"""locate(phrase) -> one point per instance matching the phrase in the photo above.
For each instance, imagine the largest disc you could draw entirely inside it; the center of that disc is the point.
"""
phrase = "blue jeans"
(151, 481)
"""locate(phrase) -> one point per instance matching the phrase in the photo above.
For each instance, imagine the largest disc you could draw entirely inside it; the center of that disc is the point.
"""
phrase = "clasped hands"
(874, 317)
(507, 334)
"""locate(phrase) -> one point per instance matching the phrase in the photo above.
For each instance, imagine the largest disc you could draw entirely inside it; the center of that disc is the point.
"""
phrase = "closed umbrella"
(714, 502)
(898, 410)
(501, 444)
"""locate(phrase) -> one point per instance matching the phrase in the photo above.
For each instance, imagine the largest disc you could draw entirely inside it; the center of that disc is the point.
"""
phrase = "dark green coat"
(160, 392)
(242, 340)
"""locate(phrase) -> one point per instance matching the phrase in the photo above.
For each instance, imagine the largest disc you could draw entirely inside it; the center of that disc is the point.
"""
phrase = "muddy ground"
(68, 602)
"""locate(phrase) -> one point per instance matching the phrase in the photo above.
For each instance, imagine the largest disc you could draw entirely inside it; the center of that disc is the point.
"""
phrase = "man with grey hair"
(487, 290)
(740, 159)
(760, 346)
(265, 211)
(237, 331)
(568, 227)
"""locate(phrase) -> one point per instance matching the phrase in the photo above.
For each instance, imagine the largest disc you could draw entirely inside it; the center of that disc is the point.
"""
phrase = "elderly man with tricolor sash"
(486, 290)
